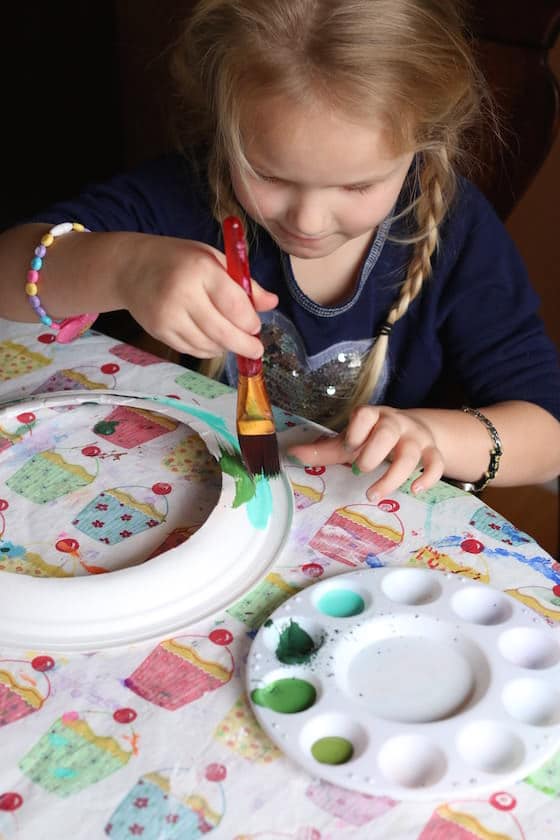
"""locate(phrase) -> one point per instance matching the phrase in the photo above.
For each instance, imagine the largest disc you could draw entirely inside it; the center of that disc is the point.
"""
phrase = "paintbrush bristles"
(255, 426)
(260, 453)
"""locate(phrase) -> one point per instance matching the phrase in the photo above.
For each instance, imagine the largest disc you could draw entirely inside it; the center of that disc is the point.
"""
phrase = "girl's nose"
(307, 214)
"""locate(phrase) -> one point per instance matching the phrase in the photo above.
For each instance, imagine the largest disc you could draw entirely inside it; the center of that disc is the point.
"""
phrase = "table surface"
(157, 739)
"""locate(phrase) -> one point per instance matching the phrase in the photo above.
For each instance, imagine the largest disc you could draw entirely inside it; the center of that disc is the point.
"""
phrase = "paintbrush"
(255, 421)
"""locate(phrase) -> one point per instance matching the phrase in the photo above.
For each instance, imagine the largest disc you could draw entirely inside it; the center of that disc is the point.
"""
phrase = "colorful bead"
(69, 328)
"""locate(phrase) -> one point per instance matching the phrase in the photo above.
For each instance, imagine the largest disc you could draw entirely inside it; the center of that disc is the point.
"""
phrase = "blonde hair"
(407, 61)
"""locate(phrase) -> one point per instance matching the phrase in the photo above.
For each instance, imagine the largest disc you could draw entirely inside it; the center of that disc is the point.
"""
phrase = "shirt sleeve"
(490, 319)
(163, 196)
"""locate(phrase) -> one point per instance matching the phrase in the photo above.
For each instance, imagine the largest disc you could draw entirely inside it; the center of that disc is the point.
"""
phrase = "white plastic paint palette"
(229, 553)
(408, 683)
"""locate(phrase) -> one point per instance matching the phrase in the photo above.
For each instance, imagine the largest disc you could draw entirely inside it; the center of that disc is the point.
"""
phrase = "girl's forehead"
(315, 142)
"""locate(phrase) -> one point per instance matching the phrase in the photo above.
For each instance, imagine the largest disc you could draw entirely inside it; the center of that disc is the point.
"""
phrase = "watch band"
(495, 454)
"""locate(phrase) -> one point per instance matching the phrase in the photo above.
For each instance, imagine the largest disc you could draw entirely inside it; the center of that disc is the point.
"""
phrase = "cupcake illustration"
(351, 806)
(10, 801)
(240, 732)
(191, 459)
(179, 671)
(475, 820)
(18, 560)
(135, 355)
(201, 385)
(16, 429)
(542, 599)
(84, 378)
(176, 804)
(457, 555)
(118, 513)
(356, 534)
(128, 427)
(307, 485)
(306, 832)
(491, 524)
(547, 778)
(24, 687)
(80, 749)
(49, 475)
(17, 360)
(257, 604)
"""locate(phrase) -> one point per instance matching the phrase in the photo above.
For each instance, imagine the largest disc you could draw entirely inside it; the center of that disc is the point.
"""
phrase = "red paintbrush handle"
(237, 263)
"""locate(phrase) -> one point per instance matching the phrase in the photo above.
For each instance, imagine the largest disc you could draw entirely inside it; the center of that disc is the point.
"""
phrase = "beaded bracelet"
(69, 328)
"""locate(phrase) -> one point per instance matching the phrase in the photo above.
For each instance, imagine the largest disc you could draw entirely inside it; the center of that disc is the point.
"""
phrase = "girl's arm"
(82, 272)
(177, 289)
(443, 442)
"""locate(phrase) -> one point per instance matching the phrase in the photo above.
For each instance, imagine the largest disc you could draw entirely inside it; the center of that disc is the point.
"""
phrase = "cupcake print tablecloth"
(158, 740)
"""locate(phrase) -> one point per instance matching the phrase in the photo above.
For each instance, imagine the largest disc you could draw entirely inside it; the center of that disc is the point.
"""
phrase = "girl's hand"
(375, 434)
(180, 292)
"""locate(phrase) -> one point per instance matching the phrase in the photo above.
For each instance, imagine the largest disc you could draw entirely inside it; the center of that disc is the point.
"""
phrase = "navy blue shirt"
(474, 330)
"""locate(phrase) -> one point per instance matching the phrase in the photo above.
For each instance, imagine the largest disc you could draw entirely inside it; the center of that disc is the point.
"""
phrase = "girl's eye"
(268, 178)
(362, 189)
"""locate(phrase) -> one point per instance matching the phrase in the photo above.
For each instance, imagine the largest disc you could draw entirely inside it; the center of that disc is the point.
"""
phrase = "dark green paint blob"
(341, 603)
(295, 646)
(285, 696)
(332, 750)
(106, 427)
(245, 487)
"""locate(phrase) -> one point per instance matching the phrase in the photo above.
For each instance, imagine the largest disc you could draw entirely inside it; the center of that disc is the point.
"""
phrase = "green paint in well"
(355, 469)
(286, 696)
(341, 603)
(332, 750)
(295, 646)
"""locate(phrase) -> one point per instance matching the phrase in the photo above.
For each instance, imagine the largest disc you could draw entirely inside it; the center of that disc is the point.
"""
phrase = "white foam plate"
(408, 683)
(202, 576)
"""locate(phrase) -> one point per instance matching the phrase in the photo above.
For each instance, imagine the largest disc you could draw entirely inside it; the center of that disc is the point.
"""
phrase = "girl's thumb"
(263, 300)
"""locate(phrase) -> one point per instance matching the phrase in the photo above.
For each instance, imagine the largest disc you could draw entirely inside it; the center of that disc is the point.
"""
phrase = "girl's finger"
(219, 330)
(383, 438)
(362, 422)
(233, 304)
(321, 452)
(433, 470)
(404, 463)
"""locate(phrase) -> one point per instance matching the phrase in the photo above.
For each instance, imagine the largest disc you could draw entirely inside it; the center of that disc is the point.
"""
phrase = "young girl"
(384, 282)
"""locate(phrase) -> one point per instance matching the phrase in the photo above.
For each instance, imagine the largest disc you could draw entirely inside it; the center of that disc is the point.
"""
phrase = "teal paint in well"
(341, 603)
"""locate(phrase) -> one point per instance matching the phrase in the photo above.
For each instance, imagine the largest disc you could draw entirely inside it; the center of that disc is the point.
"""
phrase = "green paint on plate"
(286, 696)
(332, 750)
(341, 603)
(295, 646)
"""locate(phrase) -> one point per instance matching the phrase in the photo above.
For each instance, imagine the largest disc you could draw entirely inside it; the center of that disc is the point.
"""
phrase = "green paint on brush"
(332, 750)
(285, 696)
(295, 646)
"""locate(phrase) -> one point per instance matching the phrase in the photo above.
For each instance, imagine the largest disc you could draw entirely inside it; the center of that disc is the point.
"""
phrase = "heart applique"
(315, 387)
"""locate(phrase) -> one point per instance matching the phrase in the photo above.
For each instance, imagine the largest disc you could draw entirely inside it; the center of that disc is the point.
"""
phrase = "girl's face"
(320, 180)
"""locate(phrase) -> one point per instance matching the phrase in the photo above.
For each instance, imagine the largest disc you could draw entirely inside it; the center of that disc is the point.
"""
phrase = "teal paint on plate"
(341, 603)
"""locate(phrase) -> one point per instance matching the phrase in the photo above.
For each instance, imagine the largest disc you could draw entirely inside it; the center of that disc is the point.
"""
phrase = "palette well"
(57, 474)
(408, 683)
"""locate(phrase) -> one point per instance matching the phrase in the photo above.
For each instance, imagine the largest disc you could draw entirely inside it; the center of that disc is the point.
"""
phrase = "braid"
(437, 183)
